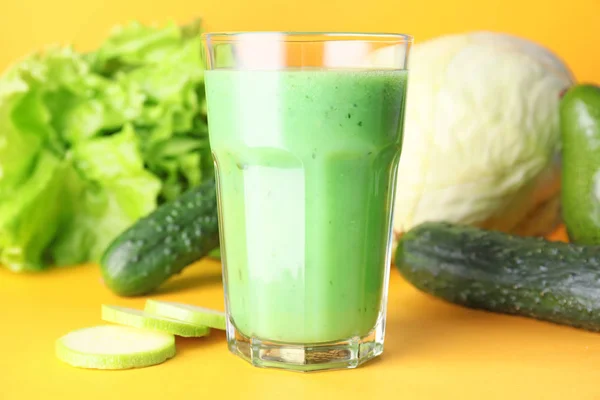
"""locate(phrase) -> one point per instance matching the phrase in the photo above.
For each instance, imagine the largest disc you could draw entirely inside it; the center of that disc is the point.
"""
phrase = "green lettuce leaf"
(31, 169)
(89, 143)
(166, 65)
(29, 224)
(109, 190)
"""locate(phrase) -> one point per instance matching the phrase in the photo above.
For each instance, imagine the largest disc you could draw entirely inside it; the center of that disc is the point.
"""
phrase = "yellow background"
(433, 350)
(569, 27)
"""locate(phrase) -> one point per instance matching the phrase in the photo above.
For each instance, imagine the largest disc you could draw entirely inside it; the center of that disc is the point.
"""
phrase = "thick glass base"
(347, 353)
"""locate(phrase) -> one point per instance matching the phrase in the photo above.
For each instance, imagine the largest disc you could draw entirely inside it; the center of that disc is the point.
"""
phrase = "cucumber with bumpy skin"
(531, 277)
(114, 347)
(163, 243)
(144, 320)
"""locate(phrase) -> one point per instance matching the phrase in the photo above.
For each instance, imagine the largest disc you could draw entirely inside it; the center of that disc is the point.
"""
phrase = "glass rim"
(316, 36)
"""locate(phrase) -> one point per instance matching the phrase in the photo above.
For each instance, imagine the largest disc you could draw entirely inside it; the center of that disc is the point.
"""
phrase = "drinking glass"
(306, 132)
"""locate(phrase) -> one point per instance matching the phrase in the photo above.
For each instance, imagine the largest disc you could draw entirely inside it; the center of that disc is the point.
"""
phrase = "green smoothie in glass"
(306, 162)
(305, 129)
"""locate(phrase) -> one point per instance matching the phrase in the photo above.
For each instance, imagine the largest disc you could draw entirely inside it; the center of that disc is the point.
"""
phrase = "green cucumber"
(114, 347)
(144, 320)
(531, 277)
(163, 243)
(188, 313)
(580, 190)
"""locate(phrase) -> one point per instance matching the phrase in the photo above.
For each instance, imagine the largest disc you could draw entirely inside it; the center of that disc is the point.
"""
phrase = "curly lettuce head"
(91, 143)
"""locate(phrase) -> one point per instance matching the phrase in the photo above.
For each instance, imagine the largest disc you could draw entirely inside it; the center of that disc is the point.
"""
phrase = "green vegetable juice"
(306, 163)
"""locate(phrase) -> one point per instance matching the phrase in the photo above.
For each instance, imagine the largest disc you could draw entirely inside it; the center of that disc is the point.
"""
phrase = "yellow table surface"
(433, 350)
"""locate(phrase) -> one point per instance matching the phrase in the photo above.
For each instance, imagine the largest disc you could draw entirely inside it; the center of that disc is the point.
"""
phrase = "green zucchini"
(580, 191)
(531, 277)
(115, 347)
(160, 245)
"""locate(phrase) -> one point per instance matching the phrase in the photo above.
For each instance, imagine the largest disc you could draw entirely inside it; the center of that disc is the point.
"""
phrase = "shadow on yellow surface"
(216, 338)
(194, 280)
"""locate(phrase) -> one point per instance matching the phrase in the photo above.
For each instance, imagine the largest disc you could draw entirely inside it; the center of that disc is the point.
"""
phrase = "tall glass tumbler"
(306, 130)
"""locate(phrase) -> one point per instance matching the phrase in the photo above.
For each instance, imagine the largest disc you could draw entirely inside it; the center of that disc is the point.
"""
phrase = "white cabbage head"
(482, 138)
